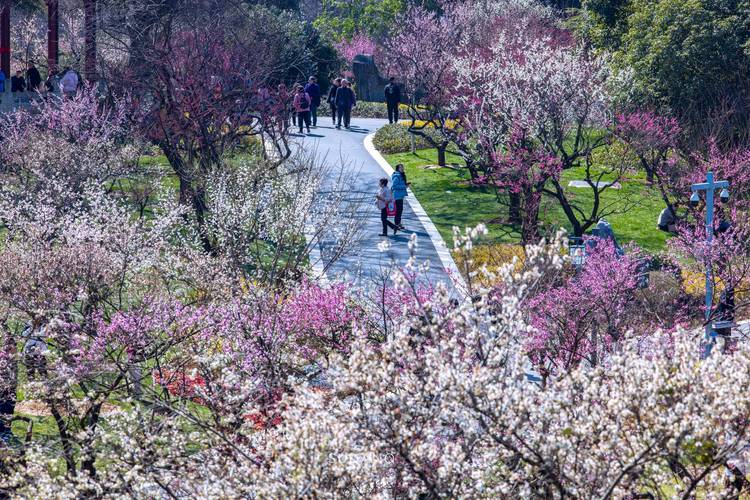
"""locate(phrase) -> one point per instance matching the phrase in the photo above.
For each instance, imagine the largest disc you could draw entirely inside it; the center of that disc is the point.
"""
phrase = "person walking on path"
(2, 85)
(302, 102)
(398, 186)
(17, 83)
(382, 199)
(295, 89)
(392, 99)
(33, 77)
(313, 90)
(332, 98)
(345, 101)
(283, 101)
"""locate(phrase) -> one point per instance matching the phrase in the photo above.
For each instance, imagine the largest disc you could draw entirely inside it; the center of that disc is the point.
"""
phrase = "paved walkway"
(365, 264)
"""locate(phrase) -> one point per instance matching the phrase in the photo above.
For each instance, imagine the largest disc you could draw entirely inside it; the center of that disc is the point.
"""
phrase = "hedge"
(363, 109)
(396, 138)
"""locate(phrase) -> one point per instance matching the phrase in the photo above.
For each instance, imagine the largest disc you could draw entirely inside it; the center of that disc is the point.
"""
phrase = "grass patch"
(450, 201)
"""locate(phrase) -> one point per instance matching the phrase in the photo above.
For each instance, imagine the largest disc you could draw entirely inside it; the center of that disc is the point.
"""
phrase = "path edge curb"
(446, 259)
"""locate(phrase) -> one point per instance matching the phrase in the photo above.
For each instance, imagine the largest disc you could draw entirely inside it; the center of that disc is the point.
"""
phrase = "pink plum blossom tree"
(521, 171)
(586, 317)
(360, 43)
(421, 55)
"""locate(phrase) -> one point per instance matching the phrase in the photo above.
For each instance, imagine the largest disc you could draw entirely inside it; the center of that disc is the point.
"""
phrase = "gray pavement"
(364, 264)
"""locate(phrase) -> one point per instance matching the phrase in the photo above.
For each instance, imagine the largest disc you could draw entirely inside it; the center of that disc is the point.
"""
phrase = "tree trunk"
(53, 28)
(199, 206)
(514, 210)
(189, 194)
(530, 222)
(88, 463)
(8, 376)
(89, 7)
(650, 176)
(472, 167)
(186, 191)
(441, 155)
(5, 39)
(65, 439)
(559, 194)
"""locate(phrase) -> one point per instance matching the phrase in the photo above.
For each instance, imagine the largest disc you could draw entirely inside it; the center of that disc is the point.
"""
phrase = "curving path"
(365, 264)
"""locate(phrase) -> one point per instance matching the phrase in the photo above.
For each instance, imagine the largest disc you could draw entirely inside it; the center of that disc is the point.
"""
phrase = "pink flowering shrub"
(235, 358)
(59, 149)
(587, 316)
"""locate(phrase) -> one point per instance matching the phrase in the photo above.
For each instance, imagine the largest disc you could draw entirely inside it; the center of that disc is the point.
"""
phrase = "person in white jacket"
(69, 83)
(382, 199)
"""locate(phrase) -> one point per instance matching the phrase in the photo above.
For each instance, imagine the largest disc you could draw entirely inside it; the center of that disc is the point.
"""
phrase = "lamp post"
(710, 186)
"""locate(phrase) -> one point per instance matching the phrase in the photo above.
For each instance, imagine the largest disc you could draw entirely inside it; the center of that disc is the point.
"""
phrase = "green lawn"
(450, 201)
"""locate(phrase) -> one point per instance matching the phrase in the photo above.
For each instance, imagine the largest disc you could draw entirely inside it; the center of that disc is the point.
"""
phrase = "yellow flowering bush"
(491, 256)
(694, 285)
(449, 124)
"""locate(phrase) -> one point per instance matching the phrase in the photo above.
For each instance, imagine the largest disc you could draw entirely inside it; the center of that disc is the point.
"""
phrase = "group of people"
(342, 99)
(18, 83)
(68, 83)
(307, 99)
(391, 199)
(306, 103)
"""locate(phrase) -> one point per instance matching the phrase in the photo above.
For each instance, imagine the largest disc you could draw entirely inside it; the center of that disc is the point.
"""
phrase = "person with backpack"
(302, 103)
(392, 99)
(398, 186)
(345, 101)
(382, 199)
(313, 90)
(332, 98)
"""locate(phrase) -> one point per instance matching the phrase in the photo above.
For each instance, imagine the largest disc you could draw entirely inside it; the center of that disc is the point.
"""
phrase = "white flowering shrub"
(440, 407)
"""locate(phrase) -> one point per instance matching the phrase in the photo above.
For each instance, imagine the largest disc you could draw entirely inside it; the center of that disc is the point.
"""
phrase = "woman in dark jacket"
(332, 98)
(345, 101)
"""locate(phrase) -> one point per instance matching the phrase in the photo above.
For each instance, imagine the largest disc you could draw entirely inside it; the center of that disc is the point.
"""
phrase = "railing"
(577, 251)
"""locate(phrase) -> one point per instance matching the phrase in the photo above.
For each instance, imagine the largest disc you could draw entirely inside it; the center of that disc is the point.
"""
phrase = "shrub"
(363, 109)
(395, 138)
(449, 124)
(491, 256)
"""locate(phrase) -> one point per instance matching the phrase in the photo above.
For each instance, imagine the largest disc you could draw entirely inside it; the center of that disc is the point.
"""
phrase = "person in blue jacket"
(313, 90)
(398, 186)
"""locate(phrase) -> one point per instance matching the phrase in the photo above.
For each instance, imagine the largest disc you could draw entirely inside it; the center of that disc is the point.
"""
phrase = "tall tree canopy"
(691, 56)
